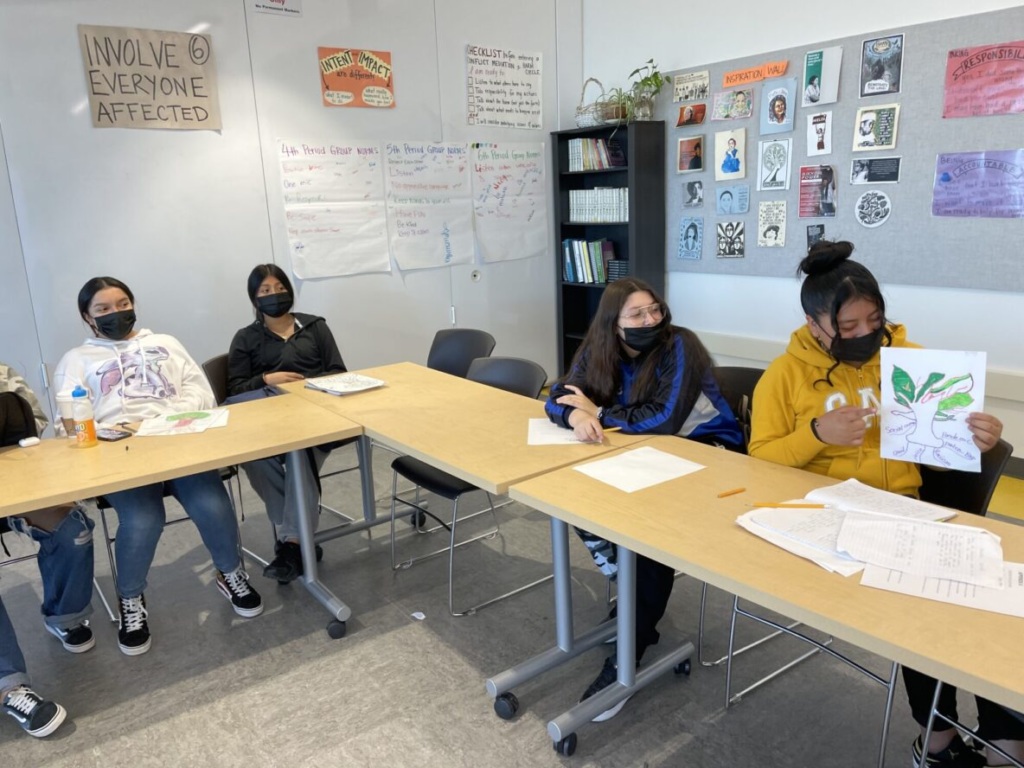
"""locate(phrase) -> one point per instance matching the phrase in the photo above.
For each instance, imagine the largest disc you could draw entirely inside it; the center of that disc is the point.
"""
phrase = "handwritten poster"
(429, 205)
(503, 87)
(987, 80)
(771, 224)
(509, 203)
(979, 184)
(350, 77)
(334, 208)
(291, 8)
(149, 78)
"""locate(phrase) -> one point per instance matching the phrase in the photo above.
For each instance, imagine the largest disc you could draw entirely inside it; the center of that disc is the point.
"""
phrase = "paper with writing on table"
(546, 432)
(343, 383)
(185, 423)
(1006, 598)
(638, 469)
(924, 548)
(853, 495)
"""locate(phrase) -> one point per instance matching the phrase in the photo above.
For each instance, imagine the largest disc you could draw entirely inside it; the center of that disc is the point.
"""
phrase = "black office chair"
(966, 491)
(522, 377)
(736, 384)
(454, 349)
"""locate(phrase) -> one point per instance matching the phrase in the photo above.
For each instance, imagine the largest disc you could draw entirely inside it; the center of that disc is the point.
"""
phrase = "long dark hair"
(601, 351)
(94, 286)
(260, 273)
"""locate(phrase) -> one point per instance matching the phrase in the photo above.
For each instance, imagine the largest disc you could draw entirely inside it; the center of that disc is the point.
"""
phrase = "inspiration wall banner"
(149, 78)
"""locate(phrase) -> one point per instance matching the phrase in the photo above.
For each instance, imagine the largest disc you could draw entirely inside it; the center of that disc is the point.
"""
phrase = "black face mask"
(859, 349)
(274, 304)
(643, 338)
(115, 325)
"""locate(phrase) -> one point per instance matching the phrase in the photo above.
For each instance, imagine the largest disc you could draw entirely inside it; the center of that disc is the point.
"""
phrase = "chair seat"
(434, 480)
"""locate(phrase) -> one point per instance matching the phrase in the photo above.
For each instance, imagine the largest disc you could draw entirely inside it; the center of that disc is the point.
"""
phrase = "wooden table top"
(55, 472)
(682, 523)
(470, 430)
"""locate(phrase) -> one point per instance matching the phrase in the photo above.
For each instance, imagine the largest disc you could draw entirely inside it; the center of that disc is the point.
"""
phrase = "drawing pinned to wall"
(773, 160)
(691, 237)
(503, 87)
(690, 154)
(691, 114)
(693, 194)
(927, 395)
(875, 170)
(730, 149)
(771, 224)
(985, 80)
(510, 203)
(351, 77)
(821, 76)
(733, 105)
(734, 199)
(731, 241)
(691, 86)
(819, 134)
(875, 127)
(979, 184)
(778, 104)
(873, 208)
(881, 65)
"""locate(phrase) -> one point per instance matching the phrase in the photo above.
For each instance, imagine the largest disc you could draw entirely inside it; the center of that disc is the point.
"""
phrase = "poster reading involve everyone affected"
(817, 192)
(819, 134)
(927, 395)
(510, 204)
(875, 170)
(503, 87)
(773, 161)
(985, 80)
(691, 237)
(334, 208)
(876, 127)
(350, 77)
(881, 65)
(979, 184)
(731, 241)
(778, 105)
(691, 86)
(429, 203)
(771, 224)
(150, 78)
(821, 76)
(734, 199)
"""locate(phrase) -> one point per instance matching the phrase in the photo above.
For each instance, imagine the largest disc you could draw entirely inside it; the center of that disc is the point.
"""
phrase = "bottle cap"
(79, 391)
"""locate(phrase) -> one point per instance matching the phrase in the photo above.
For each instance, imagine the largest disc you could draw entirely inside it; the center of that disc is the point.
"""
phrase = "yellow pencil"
(733, 492)
(613, 429)
(783, 505)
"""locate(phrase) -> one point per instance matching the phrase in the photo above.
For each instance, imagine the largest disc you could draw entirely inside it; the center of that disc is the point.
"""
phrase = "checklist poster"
(503, 87)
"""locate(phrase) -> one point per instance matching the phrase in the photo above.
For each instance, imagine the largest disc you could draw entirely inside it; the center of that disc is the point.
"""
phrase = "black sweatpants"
(994, 721)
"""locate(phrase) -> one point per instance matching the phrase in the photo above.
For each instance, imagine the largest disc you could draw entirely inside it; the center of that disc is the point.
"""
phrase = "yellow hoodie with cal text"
(793, 391)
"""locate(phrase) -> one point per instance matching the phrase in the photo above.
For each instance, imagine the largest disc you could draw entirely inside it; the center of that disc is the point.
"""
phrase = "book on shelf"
(617, 268)
(586, 261)
(595, 155)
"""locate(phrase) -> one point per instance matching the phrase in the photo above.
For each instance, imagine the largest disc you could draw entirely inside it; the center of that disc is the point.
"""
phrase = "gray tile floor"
(220, 690)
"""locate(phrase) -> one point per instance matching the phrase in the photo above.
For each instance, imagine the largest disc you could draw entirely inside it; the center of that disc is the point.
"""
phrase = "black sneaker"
(235, 587)
(133, 631)
(75, 639)
(609, 674)
(35, 715)
(287, 563)
(956, 755)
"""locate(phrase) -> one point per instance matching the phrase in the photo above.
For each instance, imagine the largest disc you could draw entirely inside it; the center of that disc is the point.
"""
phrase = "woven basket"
(590, 115)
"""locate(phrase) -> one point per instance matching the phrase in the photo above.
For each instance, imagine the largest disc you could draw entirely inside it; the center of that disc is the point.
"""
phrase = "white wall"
(725, 310)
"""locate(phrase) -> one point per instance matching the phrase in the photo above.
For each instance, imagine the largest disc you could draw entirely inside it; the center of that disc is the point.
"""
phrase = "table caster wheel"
(506, 706)
(337, 629)
(682, 668)
(418, 519)
(566, 746)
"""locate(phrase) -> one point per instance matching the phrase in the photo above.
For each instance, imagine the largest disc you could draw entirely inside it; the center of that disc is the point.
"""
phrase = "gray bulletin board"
(912, 247)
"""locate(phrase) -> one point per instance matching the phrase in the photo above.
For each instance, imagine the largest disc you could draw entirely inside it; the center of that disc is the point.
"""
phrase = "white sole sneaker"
(59, 634)
(608, 714)
(51, 726)
(136, 650)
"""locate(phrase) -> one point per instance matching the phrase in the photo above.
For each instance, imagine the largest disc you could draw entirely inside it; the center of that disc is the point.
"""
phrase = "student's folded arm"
(559, 414)
(662, 414)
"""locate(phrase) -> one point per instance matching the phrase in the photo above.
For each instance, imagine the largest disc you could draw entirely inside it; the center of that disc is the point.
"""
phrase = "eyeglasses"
(653, 311)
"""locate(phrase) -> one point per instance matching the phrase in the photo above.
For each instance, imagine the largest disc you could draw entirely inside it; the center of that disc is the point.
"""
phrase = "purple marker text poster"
(979, 184)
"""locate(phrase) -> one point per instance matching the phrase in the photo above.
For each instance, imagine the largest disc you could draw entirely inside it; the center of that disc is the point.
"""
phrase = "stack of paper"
(343, 383)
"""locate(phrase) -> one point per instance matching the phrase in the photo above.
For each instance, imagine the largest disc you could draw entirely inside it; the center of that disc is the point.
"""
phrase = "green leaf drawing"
(902, 385)
(950, 382)
(960, 400)
(901, 399)
(924, 388)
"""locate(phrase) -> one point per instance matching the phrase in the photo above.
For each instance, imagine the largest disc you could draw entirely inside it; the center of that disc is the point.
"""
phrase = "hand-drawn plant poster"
(881, 65)
(773, 159)
(734, 199)
(979, 184)
(819, 134)
(771, 224)
(350, 77)
(691, 237)
(731, 240)
(503, 87)
(333, 198)
(691, 86)
(986, 80)
(778, 105)
(926, 397)
(821, 76)
(729, 160)
(876, 127)
(429, 204)
(510, 204)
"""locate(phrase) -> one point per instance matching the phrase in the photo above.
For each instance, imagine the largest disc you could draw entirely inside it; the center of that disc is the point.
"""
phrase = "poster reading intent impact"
(350, 77)
(148, 78)
(510, 205)
(979, 184)
(987, 80)
(503, 87)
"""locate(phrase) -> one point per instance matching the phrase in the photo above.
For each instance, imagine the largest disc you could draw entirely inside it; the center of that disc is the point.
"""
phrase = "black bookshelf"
(640, 241)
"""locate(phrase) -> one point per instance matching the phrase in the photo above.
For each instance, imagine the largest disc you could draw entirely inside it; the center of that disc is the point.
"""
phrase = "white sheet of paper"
(926, 396)
(638, 469)
(546, 432)
(1008, 598)
(854, 495)
(924, 548)
(344, 383)
(818, 531)
(185, 423)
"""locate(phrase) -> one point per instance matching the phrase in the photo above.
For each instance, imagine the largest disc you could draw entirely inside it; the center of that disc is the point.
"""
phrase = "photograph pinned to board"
(875, 170)
(821, 76)
(778, 105)
(690, 154)
(819, 134)
(691, 114)
(773, 163)
(691, 237)
(730, 200)
(984, 80)
(691, 86)
(881, 65)
(730, 153)
(733, 105)
(815, 232)
(731, 241)
(875, 127)
(927, 395)
(693, 194)
(873, 208)
(817, 192)
(979, 184)
(352, 77)
(771, 224)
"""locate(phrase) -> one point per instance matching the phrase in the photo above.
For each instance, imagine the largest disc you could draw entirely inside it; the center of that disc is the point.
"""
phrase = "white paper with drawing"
(926, 397)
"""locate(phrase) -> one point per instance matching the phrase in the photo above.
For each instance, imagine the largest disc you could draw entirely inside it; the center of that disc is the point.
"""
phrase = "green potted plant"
(647, 83)
(617, 106)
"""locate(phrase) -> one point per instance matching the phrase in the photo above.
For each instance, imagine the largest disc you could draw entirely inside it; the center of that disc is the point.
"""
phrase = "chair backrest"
(16, 419)
(453, 349)
(216, 369)
(966, 491)
(513, 374)
(737, 384)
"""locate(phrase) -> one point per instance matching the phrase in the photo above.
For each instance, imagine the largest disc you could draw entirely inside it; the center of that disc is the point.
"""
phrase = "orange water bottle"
(85, 423)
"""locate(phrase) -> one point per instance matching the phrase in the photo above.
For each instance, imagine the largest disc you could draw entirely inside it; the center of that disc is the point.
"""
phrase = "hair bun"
(825, 255)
